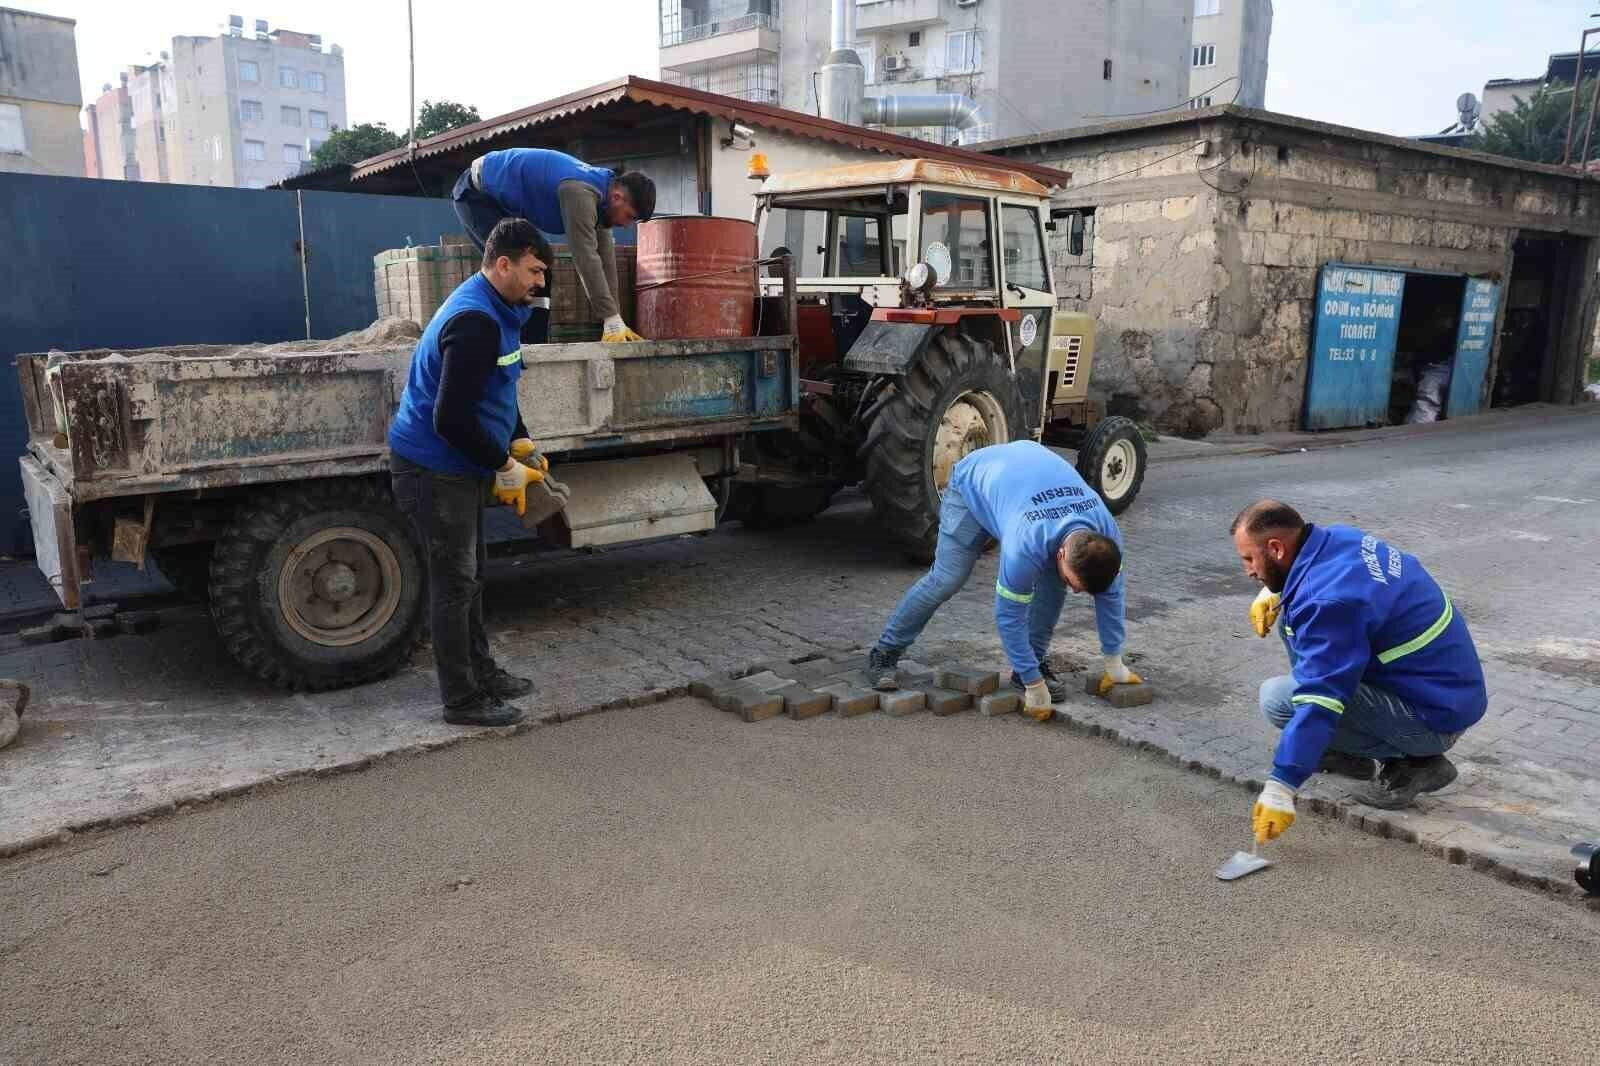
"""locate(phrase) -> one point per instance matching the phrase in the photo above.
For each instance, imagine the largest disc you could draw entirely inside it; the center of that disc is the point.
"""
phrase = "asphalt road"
(668, 884)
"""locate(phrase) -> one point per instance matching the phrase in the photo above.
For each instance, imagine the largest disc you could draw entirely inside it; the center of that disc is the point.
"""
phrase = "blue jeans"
(478, 212)
(1376, 723)
(961, 542)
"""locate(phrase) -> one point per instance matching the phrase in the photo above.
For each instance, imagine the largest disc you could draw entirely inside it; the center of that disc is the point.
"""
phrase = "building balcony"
(717, 27)
(714, 44)
(896, 15)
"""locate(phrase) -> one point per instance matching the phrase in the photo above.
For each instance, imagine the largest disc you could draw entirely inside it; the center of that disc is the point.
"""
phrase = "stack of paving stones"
(817, 686)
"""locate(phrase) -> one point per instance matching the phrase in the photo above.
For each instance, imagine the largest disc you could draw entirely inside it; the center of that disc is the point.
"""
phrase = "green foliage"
(437, 116)
(1535, 129)
(355, 144)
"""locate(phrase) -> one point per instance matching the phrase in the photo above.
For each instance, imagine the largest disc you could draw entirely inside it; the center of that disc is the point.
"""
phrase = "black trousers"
(478, 212)
(447, 510)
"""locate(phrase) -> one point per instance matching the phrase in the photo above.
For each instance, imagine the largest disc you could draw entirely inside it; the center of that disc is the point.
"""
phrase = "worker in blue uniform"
(562, 196)
(457, 429)
(1055, 535)
(1384, 676)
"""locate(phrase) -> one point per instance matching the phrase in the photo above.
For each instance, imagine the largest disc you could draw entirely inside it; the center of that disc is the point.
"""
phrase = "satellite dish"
(1466, 103)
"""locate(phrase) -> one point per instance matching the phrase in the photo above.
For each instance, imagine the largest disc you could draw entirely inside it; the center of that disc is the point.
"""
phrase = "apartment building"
(39, 95)
(235, 109)
(1031, 65)
(109, 147)
(1228, 54)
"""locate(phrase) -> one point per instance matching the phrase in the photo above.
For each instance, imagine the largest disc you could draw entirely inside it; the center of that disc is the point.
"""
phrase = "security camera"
(740, 136)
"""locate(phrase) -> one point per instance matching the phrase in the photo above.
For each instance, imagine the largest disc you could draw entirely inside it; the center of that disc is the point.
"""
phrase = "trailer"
(257, 477)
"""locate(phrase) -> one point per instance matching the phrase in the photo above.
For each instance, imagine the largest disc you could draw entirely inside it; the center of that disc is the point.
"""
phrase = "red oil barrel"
(696, 278)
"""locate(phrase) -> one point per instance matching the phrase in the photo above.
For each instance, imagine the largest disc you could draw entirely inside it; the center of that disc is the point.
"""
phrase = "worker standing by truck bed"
(560, 195)
(458, 427)
(1055, 534)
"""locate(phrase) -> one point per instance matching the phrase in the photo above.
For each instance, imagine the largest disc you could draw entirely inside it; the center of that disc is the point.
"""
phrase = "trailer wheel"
(320, 586)
(958, 398)
(1112, 461)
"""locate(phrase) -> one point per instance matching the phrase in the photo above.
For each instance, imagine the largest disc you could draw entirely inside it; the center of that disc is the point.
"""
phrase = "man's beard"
(1274, 575)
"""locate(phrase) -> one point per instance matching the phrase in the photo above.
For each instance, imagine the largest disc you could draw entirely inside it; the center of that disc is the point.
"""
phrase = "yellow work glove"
(614, 330)
(1274, 811)
(1117, 674)
(511, 484)
(1264, 611)
(524, 450)
(1036, 701)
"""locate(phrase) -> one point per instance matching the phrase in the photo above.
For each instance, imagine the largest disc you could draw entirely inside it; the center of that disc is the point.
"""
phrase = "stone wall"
(1202, 268)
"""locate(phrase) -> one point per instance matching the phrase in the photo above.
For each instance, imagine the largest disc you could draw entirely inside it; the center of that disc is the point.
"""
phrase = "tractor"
(927, 323)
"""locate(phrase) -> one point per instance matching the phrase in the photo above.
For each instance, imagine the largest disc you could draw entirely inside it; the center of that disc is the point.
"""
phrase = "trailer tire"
(320, 586)
(960, 396)
(1112, 460)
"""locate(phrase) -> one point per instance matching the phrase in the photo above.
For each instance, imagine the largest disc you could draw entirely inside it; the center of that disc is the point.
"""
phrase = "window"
(1105, 70)
(288, 78)
(805, 235)
(915, 39)
(293, 154)
(1198, 102)
(1205, 55)
(289, 116)
(959, 225)
(319, 120)
(249, 71)
(1023, 247)
(12, 136)
(868, 51)
(858, 248)
(1202, 8)
(316, 82)
(963, 52)
(255, 151)
(251, 111)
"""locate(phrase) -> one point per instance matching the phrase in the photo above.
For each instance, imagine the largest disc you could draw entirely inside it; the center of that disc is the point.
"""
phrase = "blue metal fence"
(114, 264)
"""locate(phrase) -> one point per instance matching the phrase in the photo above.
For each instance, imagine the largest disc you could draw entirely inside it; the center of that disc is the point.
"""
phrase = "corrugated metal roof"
(660, 94)
(990, 175)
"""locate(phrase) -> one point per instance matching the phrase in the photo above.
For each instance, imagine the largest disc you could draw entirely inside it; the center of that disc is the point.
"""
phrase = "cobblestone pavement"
(1504, 511)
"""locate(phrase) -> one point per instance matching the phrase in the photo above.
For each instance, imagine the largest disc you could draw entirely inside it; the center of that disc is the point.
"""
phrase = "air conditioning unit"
(895, 64)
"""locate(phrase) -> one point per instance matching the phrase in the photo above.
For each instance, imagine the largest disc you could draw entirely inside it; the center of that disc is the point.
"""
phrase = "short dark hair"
(1267, 516)
(514, 238)
(1095, 560)
(641, 191)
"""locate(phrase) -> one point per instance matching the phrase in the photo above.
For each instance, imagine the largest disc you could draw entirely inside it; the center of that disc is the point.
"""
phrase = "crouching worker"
(1384, 676)
(1055, 534)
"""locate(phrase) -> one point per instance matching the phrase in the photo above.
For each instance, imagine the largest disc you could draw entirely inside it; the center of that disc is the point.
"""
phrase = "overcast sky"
(1395, 66)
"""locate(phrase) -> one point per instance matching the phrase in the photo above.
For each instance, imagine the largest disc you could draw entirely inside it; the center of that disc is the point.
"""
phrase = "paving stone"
(896, 704)
(767, 681)
(748, 702)
(1120, 695)
(998, 703)
(802, 702)
(705, 688)
(966, 679)
(944, 701)
(850, 700)
(915, 675)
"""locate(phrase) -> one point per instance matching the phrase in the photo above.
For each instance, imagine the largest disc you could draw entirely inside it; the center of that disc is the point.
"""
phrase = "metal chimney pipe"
(842, 81)
(935, 109)
(843, 25)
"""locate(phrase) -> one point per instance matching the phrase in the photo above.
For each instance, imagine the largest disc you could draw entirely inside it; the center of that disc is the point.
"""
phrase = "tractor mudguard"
(890, 347)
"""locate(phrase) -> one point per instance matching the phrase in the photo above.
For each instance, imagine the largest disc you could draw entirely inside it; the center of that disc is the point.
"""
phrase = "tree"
(437, 116)
(1535, 129)
(355, 144)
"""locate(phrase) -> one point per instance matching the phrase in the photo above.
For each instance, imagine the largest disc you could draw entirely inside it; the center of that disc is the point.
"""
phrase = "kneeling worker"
(458, 429)
(1383, 667)
(1055, 534)
(560, 195)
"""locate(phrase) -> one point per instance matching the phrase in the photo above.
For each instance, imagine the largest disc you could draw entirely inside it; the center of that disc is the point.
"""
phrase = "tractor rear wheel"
(960, 397)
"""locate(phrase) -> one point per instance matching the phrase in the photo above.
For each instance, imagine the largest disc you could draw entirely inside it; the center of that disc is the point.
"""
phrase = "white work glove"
(1036, 701)
(1264, 611)
(1274, 811)
(614, 329)
(511, 484)
(1117, 673)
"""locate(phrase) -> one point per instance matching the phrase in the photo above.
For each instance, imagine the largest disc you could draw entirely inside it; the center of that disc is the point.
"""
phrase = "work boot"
(1400, 781)
(1056, 684)
(881, 667)
(507, 686)
(483, 709)
(1346, 765)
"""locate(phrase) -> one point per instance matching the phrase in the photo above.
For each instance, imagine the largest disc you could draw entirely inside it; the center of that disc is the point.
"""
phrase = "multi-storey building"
(1228, 55)
(39, 95)
(110, 149)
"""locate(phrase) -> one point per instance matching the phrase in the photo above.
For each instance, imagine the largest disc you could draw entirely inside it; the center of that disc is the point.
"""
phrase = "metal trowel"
(1241, 863)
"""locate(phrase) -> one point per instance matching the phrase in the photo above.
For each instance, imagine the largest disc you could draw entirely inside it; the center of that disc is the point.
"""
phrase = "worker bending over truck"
(560, 195)
(1384, 676)
(456, 432)
(1055, 534)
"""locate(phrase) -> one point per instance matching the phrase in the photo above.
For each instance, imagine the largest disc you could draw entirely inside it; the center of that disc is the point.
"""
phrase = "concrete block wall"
(411, 283)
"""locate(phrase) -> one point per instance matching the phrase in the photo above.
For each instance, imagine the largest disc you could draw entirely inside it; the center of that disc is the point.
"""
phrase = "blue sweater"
(412, 434)
(1029, 499)
(1359, 611)
(524, 182)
